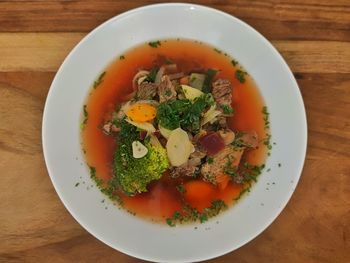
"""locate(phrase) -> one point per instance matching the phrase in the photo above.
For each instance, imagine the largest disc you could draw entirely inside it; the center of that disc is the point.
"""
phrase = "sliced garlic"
(179, 147)
(210, 115)
(141, 79)
(146, 126)
(191, 93)
(138, 149)
(164, 132)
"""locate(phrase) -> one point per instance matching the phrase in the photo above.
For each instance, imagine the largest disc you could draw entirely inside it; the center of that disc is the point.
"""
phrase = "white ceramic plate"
(135, 236)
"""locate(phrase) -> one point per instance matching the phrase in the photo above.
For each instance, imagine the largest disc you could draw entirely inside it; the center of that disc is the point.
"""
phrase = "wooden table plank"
(46, 51)
(274, 18)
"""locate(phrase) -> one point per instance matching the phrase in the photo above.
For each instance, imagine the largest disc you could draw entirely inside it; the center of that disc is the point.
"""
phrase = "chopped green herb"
(77, 184)
(98, 181)
(170, 222)
(266, 117)
(122, 57)
(267, 141)
(217, 50)
(238, 142)
(234, 62)
(168, 61)
(189, 214)
(154, 44)
(216, 207)
(181, 188)
(242, 193)
(227, 109)
(168, 93)
(86, 115)
(151, 77)
(279, 165)
(99, 80)
(250, 172)
(183, 113)
(210, 160)
(210, 74)
(240, 75)
(203, 218)
(231, 170)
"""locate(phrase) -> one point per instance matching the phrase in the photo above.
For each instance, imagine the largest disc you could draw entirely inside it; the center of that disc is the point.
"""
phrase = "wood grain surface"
(312, 35)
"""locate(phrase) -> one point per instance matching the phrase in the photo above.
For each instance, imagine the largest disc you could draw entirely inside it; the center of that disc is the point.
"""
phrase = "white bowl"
(135, 236)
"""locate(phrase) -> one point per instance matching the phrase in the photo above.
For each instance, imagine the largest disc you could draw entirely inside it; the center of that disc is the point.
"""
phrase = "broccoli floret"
(133, 175)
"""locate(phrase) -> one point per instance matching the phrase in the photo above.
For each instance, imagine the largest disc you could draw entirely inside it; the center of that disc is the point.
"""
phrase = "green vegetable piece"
(227, 109)
(151, 77)
(99, 80)
(234, 62)
(183, 113)
(240, 75)
(154, 44)
(133, 175)
(197, 80)
(208, 80)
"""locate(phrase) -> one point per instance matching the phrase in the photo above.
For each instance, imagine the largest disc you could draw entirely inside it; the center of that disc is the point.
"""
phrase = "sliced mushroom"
(227, 135)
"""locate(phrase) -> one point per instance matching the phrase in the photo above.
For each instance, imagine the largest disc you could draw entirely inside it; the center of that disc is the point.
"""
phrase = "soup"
(175, 131)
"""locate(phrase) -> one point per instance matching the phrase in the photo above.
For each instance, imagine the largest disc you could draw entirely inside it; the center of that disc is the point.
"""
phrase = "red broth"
(163, 199)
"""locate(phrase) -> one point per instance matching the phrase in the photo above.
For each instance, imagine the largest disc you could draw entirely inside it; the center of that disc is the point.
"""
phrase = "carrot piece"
(199, 194)
(185, 80)
(196, 190)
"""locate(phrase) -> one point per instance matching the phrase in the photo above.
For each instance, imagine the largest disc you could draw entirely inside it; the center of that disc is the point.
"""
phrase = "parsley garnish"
(154, 44)
(168, 93)
(151, 77)
(183, 113)
(242, 193)
(189, 214)
(240, 75)
(217, 50)
(266, 117)
(168, 61)
(267, 141)
(122, 57)
(86, 115)
(210, 160)
(234, 62)
(210, 74)
(99, 80)
(181, 188)
(227, 109)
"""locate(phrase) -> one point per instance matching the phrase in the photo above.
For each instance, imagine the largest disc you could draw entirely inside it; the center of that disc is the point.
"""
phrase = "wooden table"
(312, 35)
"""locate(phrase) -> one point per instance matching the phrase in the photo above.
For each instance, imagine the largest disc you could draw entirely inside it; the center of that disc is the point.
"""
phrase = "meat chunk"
(109, 128)
(183, 170)
(191, 167)
(248, 139)
(222, 92)
(147, 91)
(141, 75)
(166, 90)
(229, 157)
